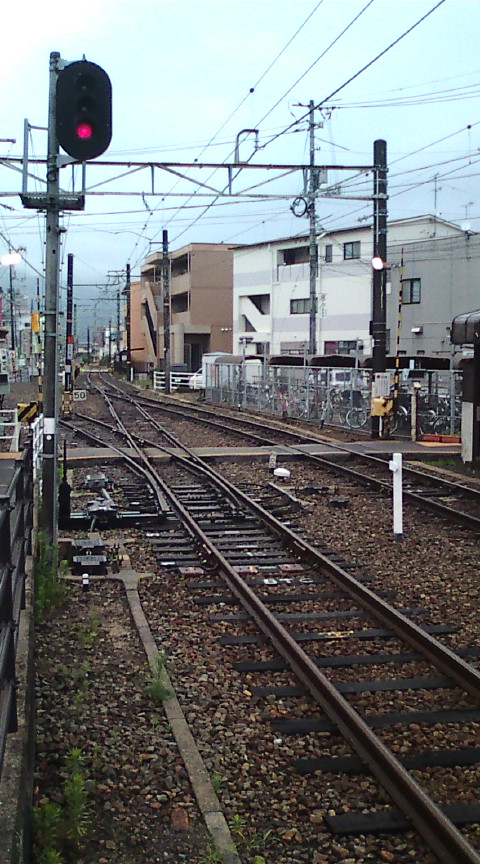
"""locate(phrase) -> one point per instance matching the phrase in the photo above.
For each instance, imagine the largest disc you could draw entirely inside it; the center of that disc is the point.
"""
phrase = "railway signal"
(83, 110)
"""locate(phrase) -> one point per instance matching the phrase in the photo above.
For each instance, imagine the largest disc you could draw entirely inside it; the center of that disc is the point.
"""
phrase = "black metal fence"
(16, 514)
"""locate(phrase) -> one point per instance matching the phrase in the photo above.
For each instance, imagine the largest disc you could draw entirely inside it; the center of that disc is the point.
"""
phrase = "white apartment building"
(271, 287)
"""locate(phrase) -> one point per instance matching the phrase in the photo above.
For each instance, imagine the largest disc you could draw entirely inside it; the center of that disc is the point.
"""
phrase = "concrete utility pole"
(118, 326)
(127, 316)
(166, 309)
(69, 329)
(379, 299)
(49, 512)
(12, 310)
(313, 248)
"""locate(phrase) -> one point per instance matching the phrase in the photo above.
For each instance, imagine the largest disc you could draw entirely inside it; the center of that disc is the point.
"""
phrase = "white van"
(198, 380)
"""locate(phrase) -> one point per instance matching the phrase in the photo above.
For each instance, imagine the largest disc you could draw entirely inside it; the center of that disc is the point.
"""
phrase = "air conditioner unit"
(417, 330)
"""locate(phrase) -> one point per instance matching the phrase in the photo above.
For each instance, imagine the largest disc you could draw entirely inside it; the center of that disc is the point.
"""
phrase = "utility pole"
(88, 346)
(379, 299)
(80, 120)
(12, 310)
(69, 333)
(435, 196)
(166, 309)
(118, 326)
(313, 249)
(109, 342)
(50, 378)
(127, 317)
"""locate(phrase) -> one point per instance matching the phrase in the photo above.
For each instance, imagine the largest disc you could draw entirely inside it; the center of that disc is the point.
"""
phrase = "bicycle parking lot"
(341, 397)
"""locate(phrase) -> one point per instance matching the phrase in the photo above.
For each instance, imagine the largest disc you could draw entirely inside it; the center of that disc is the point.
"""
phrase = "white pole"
(395, 466)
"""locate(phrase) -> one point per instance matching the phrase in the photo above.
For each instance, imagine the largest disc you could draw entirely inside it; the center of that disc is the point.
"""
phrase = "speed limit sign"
(79, 395)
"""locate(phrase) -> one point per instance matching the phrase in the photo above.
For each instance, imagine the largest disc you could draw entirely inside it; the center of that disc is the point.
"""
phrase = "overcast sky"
(187, 77)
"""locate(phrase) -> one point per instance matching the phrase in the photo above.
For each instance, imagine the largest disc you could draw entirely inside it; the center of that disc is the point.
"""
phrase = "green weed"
(156, 689)
(87, 631)
(77, 810)
(80, 675)
(217, 781)
(47, 819)
(51, 591)
(248, 841)
(212, 856)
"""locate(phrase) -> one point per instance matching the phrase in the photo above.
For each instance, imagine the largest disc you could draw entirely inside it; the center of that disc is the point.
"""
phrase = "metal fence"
(178, 380)
(337, 397)
(37, 448)
(9, 430)
(16, 510)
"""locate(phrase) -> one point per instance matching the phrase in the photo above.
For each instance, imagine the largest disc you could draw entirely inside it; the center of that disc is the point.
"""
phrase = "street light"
(378, 263)
(10, 259)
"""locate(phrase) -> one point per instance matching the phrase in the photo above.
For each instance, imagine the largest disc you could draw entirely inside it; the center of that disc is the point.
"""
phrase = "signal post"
(80, 121)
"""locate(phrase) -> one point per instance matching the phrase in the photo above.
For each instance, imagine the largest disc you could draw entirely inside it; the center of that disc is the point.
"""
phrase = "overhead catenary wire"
(356, 17)
(252, 89)
(211, 217)
(334, 92)
(360, 71)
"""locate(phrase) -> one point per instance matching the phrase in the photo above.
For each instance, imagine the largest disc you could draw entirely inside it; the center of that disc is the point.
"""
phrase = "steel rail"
(144, 470)
(441, 835)
(465, 675)
(125, 397)
(424, 502)
(437, 830)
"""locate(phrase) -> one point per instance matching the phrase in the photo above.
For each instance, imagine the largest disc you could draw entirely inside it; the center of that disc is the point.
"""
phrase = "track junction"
(356, 670)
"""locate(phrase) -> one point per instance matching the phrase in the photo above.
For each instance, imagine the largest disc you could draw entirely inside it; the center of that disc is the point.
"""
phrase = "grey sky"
(180, 69)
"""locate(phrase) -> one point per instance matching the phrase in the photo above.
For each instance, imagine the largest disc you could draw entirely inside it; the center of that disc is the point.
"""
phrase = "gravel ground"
(92, 673)
(91, 678)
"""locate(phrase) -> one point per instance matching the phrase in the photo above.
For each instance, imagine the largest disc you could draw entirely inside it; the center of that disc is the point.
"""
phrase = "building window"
(261, 302)
(412, 290)
(295, 255)
(328, 253)
(351, 250)
(348, 346)
(300, 307)
(180, 302)
(262, 347)
(180, 265)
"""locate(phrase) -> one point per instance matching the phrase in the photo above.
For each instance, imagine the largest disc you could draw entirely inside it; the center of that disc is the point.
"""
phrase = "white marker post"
(395, 466)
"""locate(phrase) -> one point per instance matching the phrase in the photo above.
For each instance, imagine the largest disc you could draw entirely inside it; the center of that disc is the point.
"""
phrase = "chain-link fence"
(337, 396)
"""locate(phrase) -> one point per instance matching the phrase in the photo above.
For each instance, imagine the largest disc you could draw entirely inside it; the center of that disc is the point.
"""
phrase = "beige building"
(201, 296)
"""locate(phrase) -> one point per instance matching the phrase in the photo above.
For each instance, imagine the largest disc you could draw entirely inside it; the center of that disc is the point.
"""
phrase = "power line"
(252, 89)
(360, 71)
(337, 38)
(334, 92)
(288, 91)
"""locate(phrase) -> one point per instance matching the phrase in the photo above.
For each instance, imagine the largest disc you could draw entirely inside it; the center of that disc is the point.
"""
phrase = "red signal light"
(84, 131)
(83, 110)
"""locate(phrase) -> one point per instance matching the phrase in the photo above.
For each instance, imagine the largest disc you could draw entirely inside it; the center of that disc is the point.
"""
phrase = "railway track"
(454, 501)
(267, 566)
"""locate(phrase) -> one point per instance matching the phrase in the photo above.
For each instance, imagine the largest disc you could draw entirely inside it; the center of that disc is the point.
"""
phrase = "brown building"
(201, 296)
